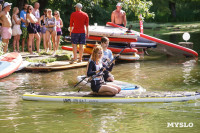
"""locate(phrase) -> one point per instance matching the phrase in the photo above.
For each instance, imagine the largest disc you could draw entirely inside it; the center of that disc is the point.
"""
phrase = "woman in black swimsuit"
(98, 85)
(31, 19)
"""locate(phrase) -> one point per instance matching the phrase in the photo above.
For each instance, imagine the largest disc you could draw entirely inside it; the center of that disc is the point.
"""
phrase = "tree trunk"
(172, 7)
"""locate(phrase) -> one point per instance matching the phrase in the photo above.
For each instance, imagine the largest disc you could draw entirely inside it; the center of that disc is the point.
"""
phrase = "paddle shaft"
(94, 76)
(80, 81)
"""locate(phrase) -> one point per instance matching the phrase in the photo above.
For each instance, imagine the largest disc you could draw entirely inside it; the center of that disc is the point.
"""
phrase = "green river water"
(155, 73)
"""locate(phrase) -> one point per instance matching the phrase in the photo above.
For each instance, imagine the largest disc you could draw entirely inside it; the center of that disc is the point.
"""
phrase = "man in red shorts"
(78, 20)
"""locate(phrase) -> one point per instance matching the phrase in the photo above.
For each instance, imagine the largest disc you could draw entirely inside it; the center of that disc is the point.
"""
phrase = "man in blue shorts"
(78, 20)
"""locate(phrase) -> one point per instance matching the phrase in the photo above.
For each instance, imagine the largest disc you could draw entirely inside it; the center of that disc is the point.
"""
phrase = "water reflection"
(188, 66)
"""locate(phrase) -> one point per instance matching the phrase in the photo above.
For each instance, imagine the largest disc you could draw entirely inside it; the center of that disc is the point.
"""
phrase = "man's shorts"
(78, 38)
(24, 32)
(6, 32)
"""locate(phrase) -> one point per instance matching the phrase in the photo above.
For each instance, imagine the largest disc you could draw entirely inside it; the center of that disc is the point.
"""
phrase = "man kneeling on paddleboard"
(95, 70)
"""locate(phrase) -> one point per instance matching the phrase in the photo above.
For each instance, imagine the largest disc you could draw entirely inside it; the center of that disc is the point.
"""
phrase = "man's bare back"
(5, 19)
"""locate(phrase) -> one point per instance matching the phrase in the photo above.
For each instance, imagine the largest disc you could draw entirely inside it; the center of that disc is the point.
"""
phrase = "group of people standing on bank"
(48, 27)
(30, 25)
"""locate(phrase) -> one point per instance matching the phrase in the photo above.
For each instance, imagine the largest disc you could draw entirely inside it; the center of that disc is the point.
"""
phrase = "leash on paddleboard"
(100, 71)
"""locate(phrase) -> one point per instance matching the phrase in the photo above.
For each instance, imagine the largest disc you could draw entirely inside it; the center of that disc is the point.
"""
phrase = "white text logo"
(179, 124)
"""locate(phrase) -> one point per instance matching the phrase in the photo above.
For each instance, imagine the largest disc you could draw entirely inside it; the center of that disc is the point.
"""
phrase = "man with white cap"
(118, 16)
(78, 20)
(5, 19)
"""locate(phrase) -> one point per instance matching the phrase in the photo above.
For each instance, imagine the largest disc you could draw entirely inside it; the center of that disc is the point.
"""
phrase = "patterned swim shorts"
(24, 32)
(78, 38)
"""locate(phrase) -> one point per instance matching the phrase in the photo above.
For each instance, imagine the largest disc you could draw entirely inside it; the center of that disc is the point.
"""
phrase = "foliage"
(140, 8)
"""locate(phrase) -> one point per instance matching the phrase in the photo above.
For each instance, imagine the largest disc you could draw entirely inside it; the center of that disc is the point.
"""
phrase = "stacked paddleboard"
(9, 63)
(162, 46)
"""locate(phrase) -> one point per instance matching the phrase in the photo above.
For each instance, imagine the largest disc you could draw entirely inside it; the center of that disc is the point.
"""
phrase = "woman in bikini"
(59, 25)
(16, 31)
(43, 30)
(32, 20)
(98, 85)
(50, 24)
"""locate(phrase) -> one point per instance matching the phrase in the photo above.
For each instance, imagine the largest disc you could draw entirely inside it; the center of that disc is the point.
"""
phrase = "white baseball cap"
(6, 4)
(119, 4)
(78, 5)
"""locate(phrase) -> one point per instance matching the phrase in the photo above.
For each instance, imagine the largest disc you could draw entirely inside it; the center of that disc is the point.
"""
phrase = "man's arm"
(125, 22)
(22, 17)
(113, 17)
(87, 29)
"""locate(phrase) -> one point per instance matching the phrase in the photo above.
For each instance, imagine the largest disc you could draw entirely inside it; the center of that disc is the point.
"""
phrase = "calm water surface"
(155, 73)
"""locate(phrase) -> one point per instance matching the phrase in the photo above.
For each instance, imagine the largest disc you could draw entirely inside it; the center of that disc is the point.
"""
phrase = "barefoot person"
(32, 30)
(59, 25)
(16, 31)
(43, 30)
(50, 24)
(5, 19)
(98, 85)
(78, 20)
(23, 25)
(36, 13)
(118, 16)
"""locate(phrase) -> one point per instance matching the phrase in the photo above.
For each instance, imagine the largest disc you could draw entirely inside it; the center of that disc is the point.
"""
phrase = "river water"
(155, 73)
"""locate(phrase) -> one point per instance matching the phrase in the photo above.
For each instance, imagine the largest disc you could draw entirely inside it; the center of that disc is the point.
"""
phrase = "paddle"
(100, 71)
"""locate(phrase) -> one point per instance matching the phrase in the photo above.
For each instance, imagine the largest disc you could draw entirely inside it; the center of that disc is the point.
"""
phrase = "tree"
(139, 8)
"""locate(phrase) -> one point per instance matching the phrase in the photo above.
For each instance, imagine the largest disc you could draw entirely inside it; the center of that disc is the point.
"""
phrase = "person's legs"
(107, 90)
(31, 38)
(44, 42)
(115, 86)
(14, 42)
(24, 36)
(53, 34)
(74, 51)
(17, 41)
(80, 52)
(58, 42)
(48, 40)
(5, 41)
(37, 36)
(23, 43)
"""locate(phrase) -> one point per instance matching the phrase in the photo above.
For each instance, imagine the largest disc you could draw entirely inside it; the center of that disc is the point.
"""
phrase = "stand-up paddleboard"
(122, 97)
(9, 63)
(132, 57)
(118, 44)
(123, 85)
(124, 44)
(55, 66)
(112, 39)
(23, 65)
(86, 50)
(117, 50)
(111, 32)
(162, 46)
